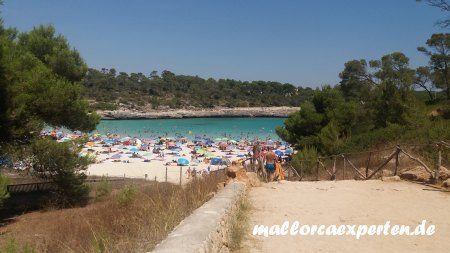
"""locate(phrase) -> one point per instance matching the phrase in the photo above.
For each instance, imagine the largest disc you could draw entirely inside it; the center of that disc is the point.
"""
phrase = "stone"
(416, 174)
(446, 183)
(391, 179)
(387, 173)
(220, 186)
(444, 173)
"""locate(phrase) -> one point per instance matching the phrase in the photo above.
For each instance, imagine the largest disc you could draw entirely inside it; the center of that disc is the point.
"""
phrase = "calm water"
(235, 128)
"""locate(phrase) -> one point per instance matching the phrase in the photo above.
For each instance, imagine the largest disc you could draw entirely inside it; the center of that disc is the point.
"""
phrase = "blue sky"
(301, 42)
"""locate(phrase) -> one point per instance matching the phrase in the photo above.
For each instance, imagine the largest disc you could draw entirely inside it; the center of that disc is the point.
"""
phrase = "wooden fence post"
(396, 161)
(180, 174)
(333, 177)
(301, 169)
(343, 168)
(166, 174)
(438, 165)
(368, 164)
(317, 169)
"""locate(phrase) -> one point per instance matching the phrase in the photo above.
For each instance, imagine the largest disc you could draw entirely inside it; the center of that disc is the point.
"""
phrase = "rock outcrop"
(446, 183)
(283, 111)
(416, 174)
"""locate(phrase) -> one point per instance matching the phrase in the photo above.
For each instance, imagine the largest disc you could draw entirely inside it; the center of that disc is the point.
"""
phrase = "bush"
(103, 189)
(4, 194)
(126, 195)
(60, 163)
(12, 246)
(305, 160)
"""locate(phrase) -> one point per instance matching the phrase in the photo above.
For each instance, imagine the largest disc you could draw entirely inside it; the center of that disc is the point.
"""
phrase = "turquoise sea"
(233, 128)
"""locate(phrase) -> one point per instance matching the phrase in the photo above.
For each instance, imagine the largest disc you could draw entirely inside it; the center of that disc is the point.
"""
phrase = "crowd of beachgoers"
(137, 157)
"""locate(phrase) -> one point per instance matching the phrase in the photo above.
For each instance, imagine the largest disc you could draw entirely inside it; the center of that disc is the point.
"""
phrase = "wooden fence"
(367, 165)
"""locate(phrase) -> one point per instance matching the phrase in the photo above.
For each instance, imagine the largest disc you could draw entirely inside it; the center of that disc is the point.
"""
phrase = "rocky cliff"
(199, 113)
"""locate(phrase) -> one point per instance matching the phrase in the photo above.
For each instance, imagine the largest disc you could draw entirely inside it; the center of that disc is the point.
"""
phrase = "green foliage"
(438, 51)
(103, 189)
(38, 75)
(178, 91)
(54, 51)
(373, 104)
(4, 194)
(13, 247)
(126, 195)
(60, 163)
(305, 160)
(303, 123)
(329, 138)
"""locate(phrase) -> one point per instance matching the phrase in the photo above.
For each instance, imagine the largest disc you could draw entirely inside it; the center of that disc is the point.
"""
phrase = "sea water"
(231, 128)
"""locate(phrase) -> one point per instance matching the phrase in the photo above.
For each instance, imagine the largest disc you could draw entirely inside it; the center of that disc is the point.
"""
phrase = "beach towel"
(279, 171)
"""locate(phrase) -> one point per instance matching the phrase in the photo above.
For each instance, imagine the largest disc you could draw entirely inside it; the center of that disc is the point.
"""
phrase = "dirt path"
(347, 203)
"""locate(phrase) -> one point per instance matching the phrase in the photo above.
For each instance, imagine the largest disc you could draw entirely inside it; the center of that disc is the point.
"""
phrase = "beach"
(168, 159)
(348, 202)
(155, 168)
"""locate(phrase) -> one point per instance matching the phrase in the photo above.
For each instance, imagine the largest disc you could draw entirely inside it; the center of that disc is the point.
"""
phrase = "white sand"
(349, 202)
(137, 168)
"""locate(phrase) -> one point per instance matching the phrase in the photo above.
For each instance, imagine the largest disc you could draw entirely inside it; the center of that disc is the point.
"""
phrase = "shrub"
(103, 189)
(4, 194)
(126, 195)
(305, 160)
(60, 163)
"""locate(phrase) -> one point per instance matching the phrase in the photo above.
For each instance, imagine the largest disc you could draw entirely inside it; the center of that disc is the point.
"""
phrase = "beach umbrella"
(134, 149)
(126, 138)
(202, 151)
(90, 144)
(216, 161)
(182, 161)
(209, 154)
(289, 151)
(218, 139)
(232, 141)
(231, 147)
(279, 153)
(225, 161)
(115, 156)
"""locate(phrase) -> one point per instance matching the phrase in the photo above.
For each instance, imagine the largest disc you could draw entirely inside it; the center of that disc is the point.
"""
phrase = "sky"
(300, 42)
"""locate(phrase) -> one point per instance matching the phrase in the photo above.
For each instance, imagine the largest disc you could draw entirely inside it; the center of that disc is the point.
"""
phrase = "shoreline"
(218, 112)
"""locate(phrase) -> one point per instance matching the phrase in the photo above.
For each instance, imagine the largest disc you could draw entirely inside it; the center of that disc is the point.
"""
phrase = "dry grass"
(133, 219)
(239, 224)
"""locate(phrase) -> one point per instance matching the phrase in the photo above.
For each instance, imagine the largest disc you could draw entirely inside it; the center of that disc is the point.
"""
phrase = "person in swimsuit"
(270, 164)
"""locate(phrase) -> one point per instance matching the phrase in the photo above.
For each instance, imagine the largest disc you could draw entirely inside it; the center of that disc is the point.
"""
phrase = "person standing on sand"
(270, 164)
(188, 172)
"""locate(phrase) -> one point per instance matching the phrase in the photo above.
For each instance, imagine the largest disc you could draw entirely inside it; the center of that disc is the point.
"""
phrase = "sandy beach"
(349, 202)
(119, 162)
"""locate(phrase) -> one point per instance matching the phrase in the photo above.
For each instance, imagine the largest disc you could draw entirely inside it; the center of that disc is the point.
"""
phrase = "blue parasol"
(183, 161)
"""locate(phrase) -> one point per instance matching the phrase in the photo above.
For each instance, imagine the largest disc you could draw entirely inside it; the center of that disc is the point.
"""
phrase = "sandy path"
(349, 202)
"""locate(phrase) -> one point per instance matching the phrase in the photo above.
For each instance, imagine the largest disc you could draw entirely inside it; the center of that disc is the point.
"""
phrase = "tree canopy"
(182, 91)
(39, 75)
(373, 96)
